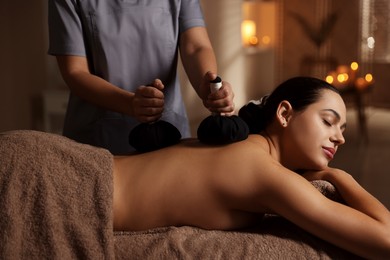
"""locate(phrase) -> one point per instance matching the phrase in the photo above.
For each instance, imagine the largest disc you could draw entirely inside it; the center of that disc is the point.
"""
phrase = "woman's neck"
(274, 139)
(273, 145)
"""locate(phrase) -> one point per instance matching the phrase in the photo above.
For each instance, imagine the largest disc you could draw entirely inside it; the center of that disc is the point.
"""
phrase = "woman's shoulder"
(252, 148)
(257, 139)
(254, 142)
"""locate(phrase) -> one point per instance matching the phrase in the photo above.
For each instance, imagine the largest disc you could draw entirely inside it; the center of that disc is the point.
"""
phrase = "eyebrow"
(336, 115)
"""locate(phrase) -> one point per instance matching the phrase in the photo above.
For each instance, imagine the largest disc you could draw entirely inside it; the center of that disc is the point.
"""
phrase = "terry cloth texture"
(273, 238)
(55, 198)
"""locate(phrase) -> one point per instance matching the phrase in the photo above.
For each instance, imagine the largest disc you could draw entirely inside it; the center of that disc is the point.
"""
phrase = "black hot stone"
(148, 137)
(217, 129)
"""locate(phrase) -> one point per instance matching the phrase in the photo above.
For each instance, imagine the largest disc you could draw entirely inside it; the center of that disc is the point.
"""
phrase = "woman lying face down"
(298, 128)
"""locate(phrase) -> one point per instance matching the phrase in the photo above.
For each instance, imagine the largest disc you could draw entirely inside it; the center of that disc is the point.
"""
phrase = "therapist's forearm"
(198, 58)
(94, 89)
(101, 93)
(197, 64)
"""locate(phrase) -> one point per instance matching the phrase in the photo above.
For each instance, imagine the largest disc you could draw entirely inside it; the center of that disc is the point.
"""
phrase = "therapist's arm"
(198, 59)
(145, 104)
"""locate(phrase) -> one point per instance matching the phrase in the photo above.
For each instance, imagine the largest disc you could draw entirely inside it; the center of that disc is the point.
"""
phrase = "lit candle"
(248, 33)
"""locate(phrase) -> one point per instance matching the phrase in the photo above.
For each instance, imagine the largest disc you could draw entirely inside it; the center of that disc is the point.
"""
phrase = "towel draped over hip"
(55, 198)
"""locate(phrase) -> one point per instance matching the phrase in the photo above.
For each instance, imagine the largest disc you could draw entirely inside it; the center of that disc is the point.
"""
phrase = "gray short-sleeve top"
(128, 43)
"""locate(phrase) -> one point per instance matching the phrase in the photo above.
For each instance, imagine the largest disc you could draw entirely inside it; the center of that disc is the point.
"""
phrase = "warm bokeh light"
(342, 77)
(253, 40)
(346, 77)
(354, 65)
(266, 40)
(248, 32)
(258, 25)
(369, 78)
(329, 79)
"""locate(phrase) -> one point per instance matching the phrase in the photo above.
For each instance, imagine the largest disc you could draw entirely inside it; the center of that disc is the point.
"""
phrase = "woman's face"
(314, 134)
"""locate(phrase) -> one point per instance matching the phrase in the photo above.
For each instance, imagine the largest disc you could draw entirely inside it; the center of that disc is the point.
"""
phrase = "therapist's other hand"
(148, 102)
(221, 101)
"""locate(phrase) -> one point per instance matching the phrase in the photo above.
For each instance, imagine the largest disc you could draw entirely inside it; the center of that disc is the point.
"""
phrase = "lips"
(330, 152)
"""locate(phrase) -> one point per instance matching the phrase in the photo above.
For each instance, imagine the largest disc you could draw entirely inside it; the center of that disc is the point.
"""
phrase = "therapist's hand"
(148, 102)
(221, 101)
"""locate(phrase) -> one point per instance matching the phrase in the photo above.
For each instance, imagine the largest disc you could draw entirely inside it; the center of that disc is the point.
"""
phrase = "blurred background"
(258, 44)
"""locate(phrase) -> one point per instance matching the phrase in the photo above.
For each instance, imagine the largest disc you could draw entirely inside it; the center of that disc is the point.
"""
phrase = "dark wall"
(342, 44)
(22, 62)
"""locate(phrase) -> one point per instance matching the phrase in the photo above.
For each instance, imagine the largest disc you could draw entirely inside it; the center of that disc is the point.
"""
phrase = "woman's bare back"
(189, 184)
(230, 187)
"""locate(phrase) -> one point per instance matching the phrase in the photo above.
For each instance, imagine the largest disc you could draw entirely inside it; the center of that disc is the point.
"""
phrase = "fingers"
(148, 102)
(210, 76)
(150, 92)
(157, 83)
(221, 106)
(221, 101)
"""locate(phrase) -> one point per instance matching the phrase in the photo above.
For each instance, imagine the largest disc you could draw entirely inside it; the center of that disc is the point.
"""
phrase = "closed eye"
(326, 123)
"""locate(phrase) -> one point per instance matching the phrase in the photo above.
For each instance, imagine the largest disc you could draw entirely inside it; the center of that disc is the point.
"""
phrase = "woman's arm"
(146, 104)
(353, 194)
(362, 226)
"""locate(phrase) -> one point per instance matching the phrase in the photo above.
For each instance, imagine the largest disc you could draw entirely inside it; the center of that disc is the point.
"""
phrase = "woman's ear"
(284, 113)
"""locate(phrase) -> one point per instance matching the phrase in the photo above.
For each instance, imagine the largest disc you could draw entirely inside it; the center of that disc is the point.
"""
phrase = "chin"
(322, 166)
(313, 163)
(318, 166)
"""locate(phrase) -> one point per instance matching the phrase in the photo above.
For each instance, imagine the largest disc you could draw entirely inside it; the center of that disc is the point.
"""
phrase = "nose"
(338, 138)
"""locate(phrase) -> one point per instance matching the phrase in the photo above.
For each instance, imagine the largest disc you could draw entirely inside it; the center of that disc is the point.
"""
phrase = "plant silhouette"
(317, 35)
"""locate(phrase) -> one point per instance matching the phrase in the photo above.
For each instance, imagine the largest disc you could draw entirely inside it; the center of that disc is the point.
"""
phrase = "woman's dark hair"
(299, 91)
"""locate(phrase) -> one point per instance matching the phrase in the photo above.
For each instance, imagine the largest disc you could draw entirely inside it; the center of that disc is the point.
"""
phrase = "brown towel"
(273, 238)
(55, 198)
